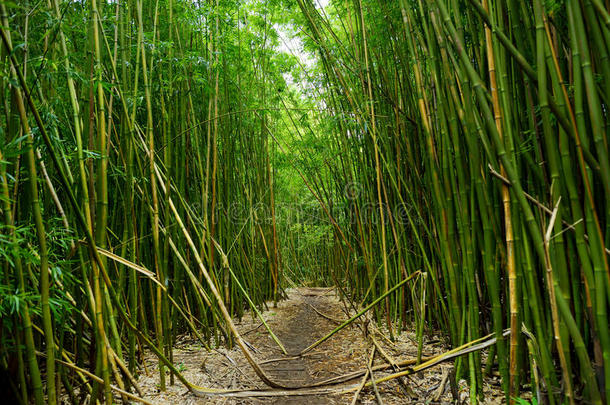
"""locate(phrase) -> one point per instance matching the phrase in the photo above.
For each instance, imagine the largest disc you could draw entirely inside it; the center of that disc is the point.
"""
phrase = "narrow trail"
(296, 334)
(298, 324)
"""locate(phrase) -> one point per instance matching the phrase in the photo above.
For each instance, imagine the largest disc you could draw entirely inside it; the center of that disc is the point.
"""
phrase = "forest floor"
(303, 318)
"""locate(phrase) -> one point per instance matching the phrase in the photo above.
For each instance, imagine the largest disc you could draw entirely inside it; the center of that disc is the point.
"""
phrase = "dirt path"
(296, 334)
(297, 325)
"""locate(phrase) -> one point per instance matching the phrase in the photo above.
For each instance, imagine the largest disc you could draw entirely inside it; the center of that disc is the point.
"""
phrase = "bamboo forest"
(305, 202)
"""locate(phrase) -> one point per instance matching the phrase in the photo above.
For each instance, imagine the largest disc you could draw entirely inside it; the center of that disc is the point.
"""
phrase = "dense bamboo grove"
(479, 133)
(119, 228)
(165, 167)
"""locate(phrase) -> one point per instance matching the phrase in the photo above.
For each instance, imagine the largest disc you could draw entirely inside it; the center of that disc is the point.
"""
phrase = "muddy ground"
(307, 315)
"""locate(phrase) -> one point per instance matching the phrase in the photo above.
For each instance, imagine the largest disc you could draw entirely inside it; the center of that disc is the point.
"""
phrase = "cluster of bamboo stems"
(479, 128)
(131, 130)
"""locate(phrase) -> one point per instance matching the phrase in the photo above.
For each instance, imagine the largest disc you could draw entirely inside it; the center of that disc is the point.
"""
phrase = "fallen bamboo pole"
(359, 314)
(322, 389)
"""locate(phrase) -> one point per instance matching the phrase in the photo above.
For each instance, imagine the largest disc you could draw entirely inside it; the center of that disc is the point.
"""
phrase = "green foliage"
(12, 302)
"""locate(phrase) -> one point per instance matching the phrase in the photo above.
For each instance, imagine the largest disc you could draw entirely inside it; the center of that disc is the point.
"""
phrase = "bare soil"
(298, 325)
